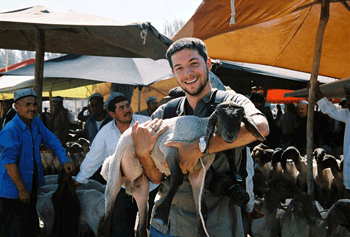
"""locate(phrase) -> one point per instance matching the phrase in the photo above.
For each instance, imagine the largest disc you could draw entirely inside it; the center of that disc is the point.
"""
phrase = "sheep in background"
(325, 185)
(262, 160)
(85, 143)
(276, 162)
(338, 219)
(301, 217)
(335, 166)
(226, 118)
(280, 190)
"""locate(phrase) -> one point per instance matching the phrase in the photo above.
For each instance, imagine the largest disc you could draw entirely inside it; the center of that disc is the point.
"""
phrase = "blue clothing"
(16, 142)
(91, 128)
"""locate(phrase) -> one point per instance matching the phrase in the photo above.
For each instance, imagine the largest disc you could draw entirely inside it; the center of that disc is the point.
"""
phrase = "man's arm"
(13, 172)
(189, 153)
(143, 147)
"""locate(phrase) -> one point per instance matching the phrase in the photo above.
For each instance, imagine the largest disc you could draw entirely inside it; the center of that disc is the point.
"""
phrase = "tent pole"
(39, 67)
(139, 105)
(50, 101)
(312, 100)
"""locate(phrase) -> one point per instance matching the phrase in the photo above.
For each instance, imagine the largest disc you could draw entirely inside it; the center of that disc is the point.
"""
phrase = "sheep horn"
(210, 128)
(252, 128)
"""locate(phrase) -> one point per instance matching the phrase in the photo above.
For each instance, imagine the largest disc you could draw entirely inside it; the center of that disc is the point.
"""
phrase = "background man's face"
(302, 110)
(123, 112)
(96, 106)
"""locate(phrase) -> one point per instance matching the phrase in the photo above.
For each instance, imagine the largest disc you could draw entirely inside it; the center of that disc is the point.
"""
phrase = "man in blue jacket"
(21, 170)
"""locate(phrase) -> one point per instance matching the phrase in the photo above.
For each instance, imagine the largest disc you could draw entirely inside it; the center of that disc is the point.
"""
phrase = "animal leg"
(140, 193)
(197, 180)
(176, 178)
(113, 186)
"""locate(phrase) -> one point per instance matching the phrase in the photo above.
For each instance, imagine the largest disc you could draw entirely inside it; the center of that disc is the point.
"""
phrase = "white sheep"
(227, 119)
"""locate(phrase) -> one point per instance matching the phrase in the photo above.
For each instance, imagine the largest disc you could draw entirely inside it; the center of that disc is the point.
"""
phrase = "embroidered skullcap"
(95, 95)
(112, 96)
(150, 99)
(23, 93)
(57, 99)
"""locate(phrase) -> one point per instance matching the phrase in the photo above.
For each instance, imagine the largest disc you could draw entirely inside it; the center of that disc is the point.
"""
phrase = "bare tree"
(171, 27)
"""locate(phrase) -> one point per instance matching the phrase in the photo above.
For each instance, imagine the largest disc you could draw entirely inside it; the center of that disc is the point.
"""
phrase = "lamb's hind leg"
(161, 213)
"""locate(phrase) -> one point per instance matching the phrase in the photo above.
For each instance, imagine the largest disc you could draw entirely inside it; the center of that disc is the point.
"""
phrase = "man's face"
(152, 105)
(191, 71)
(5, 107)
(26, 108)
(55, 106)
(302, 110)
(123, 112)
(96, 106)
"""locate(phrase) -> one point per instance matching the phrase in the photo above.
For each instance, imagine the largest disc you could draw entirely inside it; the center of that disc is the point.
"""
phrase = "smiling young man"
(21, 170)
(190, 64)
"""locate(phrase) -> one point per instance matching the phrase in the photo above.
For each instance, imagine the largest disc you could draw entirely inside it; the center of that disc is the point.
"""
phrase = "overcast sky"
(154, 11)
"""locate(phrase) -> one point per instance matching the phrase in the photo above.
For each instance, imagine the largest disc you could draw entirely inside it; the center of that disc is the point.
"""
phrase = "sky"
(154, 11)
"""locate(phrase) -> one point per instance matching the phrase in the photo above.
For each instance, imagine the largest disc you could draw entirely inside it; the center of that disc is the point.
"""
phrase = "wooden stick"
(39, 67)
(312, 100)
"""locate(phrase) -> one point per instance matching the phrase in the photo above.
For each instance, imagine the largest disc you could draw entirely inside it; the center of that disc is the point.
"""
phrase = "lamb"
(335, 166)
(227, 119)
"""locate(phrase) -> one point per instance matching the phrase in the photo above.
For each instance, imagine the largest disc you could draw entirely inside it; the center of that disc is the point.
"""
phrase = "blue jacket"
(16, 142)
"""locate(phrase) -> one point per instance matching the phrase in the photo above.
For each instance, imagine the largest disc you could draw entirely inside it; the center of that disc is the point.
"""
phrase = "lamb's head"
(227, 118)
(291, 153)
(319, 154)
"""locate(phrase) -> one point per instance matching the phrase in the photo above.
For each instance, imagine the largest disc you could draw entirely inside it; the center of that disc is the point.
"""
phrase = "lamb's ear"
(210, 127)
(252, 128)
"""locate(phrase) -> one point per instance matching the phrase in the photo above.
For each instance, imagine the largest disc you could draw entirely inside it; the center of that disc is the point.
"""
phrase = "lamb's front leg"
(176, 179)
(197, 180)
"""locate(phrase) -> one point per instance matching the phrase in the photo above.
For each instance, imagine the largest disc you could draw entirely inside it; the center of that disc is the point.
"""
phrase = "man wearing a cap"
(152, 105)
(99, 116)
(8, 112)
(342, 115)
(189, 61)
(104, 145)
(59, 123)
(21, 170)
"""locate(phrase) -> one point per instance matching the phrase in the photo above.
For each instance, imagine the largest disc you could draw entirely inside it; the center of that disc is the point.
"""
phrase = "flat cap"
(111, 97)
(151, 98)
(23, 93)
(95, 95)
(57, 99)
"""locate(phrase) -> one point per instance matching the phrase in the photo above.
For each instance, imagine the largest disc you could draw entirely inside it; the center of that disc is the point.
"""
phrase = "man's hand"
(256, 213)
(24, 195)
(145, 136)
(68, 167)
(318, 93)
(189, 154)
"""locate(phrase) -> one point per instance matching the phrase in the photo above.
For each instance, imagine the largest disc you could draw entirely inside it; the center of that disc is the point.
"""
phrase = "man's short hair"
(114, 98)
(187, 43)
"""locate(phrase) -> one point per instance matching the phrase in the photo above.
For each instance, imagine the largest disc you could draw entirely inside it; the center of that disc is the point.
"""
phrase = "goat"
(227, 118)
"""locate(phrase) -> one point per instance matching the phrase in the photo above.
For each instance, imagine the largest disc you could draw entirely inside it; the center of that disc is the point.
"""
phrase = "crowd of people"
(21, 170)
